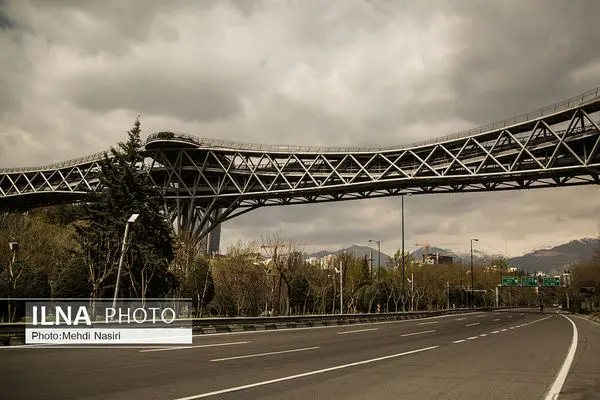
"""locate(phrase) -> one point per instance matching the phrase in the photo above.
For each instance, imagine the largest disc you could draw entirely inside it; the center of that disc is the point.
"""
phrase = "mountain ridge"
(549, 260)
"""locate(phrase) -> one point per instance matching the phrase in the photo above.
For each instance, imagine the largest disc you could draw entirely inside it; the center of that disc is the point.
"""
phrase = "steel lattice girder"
(542, 156)
(205, 184)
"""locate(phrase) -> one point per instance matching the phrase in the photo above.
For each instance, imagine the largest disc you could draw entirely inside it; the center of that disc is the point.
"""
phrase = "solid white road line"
(319, 371)
(356, 331)
(265, 354)
(418, 333)
(473, 324)
(564, 370)
(459, 341)
(428, 323)
(193, 347)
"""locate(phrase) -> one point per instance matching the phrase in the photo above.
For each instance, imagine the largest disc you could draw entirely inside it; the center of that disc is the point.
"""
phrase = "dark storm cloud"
(338, 73)
(5, 21)
(516, 56)
(149, 94)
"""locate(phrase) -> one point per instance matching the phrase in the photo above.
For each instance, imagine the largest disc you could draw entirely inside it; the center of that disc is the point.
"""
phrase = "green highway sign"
(552, 281)
(510, 281)
(529, 281)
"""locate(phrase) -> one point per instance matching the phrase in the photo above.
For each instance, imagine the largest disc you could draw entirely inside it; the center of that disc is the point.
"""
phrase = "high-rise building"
(214, 240)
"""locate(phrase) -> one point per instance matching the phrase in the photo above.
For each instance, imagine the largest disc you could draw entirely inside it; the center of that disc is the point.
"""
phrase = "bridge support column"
(201, 226)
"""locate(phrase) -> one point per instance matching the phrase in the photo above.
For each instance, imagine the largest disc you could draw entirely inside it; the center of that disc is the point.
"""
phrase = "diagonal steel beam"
(457, 158)
(561, 141)
(488, 154)
(424, 162)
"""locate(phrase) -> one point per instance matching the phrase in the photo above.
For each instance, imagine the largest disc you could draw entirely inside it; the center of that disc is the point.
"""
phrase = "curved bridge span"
(206, 181)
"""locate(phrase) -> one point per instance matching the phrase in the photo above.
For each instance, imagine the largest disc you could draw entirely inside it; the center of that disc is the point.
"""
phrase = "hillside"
(556, 259)
(553, 260)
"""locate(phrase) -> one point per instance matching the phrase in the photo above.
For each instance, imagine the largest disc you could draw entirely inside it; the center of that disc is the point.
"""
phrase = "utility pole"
(412, 291)
(472, 276)
(341, 288)
(403, 292)
(567, 276)
(14, 277)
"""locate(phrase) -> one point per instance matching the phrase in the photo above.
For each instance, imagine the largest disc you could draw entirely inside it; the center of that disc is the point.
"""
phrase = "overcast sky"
(75, 74)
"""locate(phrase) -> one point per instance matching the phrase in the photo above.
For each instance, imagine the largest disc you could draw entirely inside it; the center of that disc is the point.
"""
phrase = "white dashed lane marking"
(497, 331)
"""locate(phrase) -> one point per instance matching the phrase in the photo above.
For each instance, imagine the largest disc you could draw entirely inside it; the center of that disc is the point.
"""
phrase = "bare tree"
(286, 258)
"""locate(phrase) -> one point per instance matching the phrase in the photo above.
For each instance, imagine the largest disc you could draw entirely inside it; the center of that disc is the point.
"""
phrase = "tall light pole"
(403, 257)
(472, 280)
(14, 247)
(403, 292)
(131, 220)
(567, 276)
(341, 286)
(378, 256)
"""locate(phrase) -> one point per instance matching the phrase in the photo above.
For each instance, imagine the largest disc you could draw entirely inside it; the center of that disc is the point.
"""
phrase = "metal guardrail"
(209, 325)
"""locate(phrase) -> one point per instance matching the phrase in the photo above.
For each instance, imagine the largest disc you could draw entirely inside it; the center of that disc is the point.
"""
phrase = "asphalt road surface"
(486, 355)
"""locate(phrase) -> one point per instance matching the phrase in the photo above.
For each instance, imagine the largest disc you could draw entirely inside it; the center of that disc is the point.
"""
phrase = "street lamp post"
(131, 220)
(341, 287)
(403, 292)
(378, 256)
(14, 247)
(472, 277)
(567, 276)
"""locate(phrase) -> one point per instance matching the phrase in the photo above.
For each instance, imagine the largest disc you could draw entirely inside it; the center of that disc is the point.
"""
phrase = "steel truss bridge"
(206, 181)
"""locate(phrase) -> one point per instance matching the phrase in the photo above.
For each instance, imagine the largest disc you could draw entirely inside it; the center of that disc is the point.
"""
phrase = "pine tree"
(126, 190)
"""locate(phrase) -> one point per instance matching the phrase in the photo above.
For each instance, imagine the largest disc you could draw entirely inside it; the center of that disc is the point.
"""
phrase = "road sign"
(529, 281)
(552, 281)
(510, 281)
(587, 292)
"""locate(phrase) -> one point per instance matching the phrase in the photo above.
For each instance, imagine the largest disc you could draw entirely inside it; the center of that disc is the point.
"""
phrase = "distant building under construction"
(437, 259)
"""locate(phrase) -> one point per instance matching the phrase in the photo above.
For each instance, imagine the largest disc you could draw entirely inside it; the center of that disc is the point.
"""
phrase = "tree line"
(73, 251)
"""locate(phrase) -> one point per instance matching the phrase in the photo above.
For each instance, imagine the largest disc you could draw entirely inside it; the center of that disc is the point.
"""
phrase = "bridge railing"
(62, 164)
(519, 119)
(560, 106)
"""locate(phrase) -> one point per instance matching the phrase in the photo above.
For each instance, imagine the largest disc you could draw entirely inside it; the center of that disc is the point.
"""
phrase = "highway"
(517, 354)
